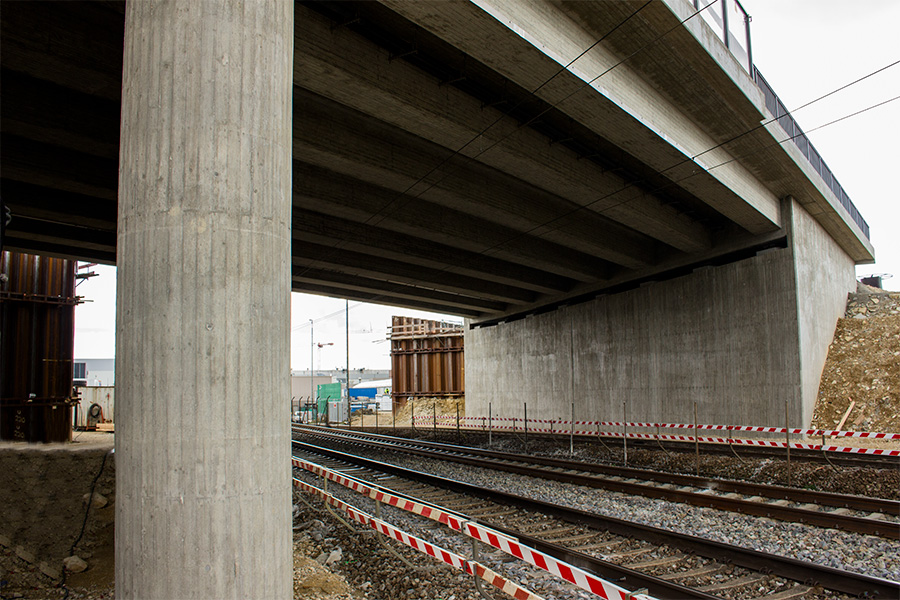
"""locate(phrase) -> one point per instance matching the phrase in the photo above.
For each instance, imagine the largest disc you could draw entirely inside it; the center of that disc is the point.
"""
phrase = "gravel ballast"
(864, 554)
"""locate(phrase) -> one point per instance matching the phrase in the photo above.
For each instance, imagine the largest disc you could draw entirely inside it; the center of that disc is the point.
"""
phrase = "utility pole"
(312, 345)
(347, 327)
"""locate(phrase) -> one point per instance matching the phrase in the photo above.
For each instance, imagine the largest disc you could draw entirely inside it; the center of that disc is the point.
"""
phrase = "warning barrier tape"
(751, 428)
(684, 438)
(511, 546)
(454, 560)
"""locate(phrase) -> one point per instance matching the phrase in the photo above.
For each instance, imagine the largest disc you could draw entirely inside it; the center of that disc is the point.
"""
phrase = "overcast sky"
(804, 48)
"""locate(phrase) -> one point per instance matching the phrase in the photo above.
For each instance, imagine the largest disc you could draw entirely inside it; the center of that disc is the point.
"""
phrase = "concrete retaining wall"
(737, 339)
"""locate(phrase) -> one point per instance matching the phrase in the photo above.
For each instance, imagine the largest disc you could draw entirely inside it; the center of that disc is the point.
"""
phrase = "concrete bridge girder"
(529, 41)
(361, 76)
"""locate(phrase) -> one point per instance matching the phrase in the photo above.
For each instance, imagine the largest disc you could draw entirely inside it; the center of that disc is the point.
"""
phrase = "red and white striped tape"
(454, 560)
(572, 574)
(579, 577)
(519, 425)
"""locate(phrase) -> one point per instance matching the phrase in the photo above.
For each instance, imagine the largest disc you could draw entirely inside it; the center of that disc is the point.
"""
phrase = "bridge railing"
(731, 23)
(787, 122)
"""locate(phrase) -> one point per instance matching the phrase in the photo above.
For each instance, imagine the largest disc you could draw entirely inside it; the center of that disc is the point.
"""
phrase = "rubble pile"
(861, 378)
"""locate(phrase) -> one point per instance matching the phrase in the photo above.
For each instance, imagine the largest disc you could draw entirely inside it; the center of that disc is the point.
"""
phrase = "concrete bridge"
(600, 188)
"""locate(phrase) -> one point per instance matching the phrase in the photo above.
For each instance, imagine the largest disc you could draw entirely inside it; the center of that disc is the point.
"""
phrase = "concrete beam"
(385, 269)
(348, 198)
(203, 488)
(345, 141)
(332, 232)
(58, 116)
(349, 69)
(302, 276)
(529, 41)
(27, 161)
(381, 298)
(39, 39)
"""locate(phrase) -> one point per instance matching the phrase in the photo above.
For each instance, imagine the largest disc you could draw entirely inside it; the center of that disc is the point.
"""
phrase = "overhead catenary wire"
(694, 174)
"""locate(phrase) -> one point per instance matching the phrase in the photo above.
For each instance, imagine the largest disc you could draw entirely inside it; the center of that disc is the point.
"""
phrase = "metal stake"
(490, 427)
(696, 443)
(434, 419)
(625, 434)
(572, 432)
(787, 446)
(526, 426)
(458, 434)
(475, 576)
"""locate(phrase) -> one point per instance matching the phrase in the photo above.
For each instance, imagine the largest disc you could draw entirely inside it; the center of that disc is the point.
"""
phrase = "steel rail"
(861, 503)
(629, 578)
(875, 461)
(758, 509)
(789, 568)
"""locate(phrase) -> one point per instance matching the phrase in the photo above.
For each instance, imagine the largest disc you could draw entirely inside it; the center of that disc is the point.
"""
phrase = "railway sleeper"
(733, 584)
(797, 591)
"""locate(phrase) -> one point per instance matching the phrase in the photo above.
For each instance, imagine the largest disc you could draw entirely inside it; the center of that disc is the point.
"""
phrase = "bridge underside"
(393, 201)
(612, 232)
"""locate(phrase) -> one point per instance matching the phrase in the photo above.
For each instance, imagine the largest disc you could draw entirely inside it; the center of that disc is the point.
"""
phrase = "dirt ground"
(863, 366)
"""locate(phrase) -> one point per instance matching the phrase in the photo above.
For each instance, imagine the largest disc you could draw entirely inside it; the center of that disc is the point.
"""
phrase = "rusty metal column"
(203, 503)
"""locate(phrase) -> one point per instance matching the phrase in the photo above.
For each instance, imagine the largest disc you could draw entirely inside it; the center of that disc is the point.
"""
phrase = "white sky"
(804, 48)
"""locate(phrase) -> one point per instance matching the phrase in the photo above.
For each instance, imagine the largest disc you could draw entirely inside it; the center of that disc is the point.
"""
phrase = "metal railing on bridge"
(787, 122)
(731, 23)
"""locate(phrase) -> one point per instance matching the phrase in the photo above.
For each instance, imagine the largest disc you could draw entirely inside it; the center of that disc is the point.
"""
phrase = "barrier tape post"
(412, 414)
(475, 559)
(696, 442)
(659, 442)
(787, 439)
(525, 404)
(625, 434)
(458, 434)
(731, 444)
(383, 543)
(490, 426)
(572, 432)
(376, 415)
(434, 419)
(825, 454)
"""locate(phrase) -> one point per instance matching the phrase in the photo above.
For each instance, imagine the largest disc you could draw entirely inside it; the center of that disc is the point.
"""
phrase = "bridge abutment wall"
(739, 339)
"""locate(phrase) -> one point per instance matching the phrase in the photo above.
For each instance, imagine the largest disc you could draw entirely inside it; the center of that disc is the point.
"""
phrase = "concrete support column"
(202, 347)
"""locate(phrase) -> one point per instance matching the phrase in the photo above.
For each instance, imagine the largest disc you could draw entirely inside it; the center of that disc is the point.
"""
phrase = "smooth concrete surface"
(824, 275)
(740, 340)
(203, 254)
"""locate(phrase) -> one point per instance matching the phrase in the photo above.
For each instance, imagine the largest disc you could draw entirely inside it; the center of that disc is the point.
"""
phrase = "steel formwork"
(427, 359)
(37, 329)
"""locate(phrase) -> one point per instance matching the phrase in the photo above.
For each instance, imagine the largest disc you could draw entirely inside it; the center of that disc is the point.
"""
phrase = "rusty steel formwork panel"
(37, 333)
(427, 359)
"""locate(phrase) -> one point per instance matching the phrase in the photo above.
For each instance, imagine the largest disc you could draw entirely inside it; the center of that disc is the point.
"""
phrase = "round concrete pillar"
(203, 315)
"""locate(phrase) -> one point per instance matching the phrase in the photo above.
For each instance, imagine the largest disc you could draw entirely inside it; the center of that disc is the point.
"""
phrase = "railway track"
(669, 565)
(870, 516)
(707, 448)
